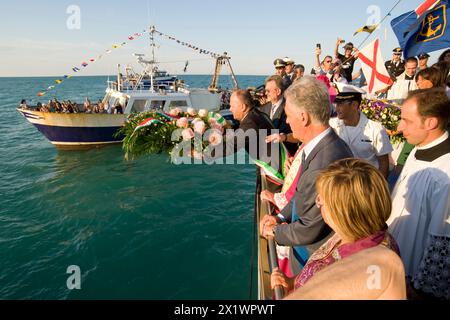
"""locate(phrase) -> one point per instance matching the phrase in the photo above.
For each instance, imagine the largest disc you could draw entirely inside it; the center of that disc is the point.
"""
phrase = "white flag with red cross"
(372, 64)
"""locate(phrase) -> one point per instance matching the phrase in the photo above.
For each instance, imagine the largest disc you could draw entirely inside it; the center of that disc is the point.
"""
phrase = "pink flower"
(217, 127)
(215, 137)
(196, 120)
(200, 127)
(187, 134)
(183, 123)
(191, 111)
(203, 113)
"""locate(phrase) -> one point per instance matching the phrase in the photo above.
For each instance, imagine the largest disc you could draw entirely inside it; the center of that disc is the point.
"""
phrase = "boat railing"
(161, 87)
(267, 257)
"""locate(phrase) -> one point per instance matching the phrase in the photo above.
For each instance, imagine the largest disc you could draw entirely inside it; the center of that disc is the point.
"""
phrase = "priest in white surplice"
(421, 198)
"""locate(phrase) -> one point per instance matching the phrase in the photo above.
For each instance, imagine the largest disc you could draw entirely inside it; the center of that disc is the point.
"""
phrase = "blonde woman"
(354, 201)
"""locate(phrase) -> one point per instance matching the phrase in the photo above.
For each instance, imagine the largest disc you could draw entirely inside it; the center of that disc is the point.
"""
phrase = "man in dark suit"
(254, 127)
(396, 66)
(275, 109)
(308, 113)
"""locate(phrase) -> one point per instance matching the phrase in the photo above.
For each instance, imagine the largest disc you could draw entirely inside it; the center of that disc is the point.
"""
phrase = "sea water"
(143, 229)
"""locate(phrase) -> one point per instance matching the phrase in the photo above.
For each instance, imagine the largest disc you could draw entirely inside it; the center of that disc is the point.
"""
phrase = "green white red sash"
(290, 182)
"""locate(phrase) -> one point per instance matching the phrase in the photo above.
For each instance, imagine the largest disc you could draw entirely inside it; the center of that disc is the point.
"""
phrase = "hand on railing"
(266, 226)
(278, 280)
(267, 196)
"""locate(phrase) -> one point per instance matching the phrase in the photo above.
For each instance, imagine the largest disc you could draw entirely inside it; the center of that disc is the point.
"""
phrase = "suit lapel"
(279, 111)
(322, 144)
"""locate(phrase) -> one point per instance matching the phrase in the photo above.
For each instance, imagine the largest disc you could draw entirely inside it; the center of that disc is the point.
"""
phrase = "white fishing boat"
(134, 93)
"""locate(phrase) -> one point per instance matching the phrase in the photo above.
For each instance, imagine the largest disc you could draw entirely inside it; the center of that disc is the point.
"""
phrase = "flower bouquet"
(386, 113)
(196, 133)
(178, 133)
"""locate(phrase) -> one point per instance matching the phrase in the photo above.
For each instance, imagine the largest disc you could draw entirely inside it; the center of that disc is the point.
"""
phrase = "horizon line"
(103, 75)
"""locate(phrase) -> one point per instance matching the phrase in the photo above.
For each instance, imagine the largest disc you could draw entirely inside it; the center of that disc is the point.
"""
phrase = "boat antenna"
(152, 45)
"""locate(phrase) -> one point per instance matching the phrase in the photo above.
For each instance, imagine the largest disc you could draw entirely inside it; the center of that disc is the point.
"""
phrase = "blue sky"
(36, 40)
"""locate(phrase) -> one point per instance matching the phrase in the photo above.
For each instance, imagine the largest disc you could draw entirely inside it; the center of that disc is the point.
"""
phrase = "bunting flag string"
(190, 46)
(90, 61)
(133, 37)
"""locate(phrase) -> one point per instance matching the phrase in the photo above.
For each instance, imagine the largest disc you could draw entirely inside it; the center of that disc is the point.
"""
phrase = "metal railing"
(267, 253)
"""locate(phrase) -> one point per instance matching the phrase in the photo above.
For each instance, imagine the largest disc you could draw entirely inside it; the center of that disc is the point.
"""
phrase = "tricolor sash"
(290, 182)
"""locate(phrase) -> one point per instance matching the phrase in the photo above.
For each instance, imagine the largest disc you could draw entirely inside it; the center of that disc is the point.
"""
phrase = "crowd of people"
(68, 106)
(335, 211)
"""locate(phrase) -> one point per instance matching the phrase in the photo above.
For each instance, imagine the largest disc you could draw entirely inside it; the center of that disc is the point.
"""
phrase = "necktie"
(272, 112)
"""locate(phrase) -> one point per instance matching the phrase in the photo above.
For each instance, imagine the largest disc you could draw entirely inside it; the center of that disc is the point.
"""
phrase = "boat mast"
(152, 44)
(222, 60)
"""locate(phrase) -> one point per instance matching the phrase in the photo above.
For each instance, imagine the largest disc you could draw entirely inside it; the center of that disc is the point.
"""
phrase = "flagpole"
(379, 24)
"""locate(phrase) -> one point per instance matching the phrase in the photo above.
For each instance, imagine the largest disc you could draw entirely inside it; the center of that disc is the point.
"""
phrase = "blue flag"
(427, 33)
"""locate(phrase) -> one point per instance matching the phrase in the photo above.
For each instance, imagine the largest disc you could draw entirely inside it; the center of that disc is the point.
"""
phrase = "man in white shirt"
(406, 82)
(421, 198)
(367, 139)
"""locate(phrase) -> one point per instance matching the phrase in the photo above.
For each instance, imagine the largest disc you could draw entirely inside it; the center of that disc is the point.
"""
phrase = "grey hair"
(311, 95)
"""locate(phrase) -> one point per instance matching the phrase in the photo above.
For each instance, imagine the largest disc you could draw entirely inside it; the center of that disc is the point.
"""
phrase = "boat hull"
(74, 131)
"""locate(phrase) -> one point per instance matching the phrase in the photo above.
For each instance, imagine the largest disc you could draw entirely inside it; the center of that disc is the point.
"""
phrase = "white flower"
(191, 111)
(200, 127)
(203, 113)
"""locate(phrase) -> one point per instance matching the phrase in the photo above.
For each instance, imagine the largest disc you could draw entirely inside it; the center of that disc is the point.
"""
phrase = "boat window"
(138, 106)
(181, 103)
(157, 104)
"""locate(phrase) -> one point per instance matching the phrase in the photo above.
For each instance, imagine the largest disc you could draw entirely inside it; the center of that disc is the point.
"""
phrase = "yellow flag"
(368, 29)
(58, 81)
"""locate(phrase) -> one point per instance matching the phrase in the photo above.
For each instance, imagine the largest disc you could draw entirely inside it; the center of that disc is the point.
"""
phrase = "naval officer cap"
(288, 61)
(398, 50)
(348, 93)
(279, 63)
(423, 55)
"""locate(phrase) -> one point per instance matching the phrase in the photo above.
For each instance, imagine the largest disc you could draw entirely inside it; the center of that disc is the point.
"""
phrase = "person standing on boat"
(421, 198)
(275, 108)
(289, 69)
(300, 224)
(423, 60)
(23, 104)
(396, 66)
(252, 124)
(347, 59)
(354, 200)
(280, 69)
(299, 70)
(367, 139)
